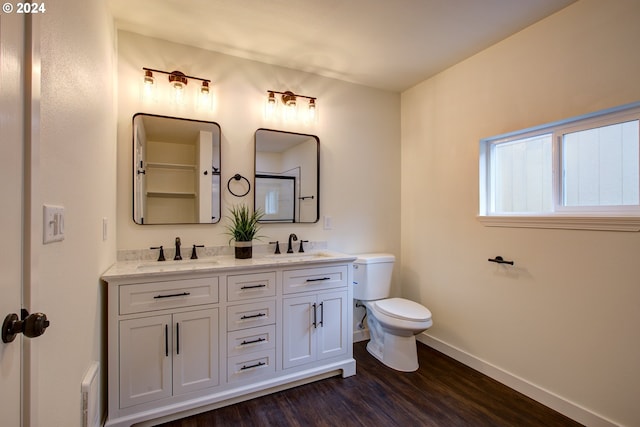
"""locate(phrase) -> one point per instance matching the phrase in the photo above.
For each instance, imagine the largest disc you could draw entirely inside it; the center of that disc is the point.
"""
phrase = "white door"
(139, 173)
(11, 167)
(204, 176)
(145, 359)
(300, 323)
(332, 332)
(195, 350)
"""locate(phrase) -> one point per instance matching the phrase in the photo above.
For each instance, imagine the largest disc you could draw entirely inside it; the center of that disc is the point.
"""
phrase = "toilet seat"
(403, 309)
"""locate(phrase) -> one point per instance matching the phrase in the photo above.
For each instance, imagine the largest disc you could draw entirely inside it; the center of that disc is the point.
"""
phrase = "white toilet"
(393, 322)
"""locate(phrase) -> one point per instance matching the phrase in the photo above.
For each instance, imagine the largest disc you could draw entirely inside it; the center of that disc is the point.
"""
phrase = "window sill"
(608, 223)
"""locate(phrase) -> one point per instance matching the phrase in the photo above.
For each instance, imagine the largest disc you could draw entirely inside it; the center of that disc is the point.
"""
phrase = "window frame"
(615, 218)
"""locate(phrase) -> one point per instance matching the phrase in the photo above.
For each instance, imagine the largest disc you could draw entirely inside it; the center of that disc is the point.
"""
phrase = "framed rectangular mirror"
(176, 170)
(287, 176)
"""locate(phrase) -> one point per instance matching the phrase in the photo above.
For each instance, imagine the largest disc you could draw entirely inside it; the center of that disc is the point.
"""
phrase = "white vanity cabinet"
(315, 314)
(187, 338)
(166, 334)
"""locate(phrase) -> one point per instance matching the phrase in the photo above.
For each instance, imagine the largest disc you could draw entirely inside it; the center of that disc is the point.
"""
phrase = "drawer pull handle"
(245, 367)
(183, 294)
(253, 316)
(253, 286)
(319, 280)
(253, 341)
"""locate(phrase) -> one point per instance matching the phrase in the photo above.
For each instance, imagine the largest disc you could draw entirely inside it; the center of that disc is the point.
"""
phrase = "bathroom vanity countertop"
(133, 269)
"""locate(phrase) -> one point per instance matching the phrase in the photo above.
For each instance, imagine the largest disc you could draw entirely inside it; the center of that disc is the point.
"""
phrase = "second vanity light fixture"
(178, 88)
(292, 108)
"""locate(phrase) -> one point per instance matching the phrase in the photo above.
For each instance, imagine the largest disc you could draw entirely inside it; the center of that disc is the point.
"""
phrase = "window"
(578, 173)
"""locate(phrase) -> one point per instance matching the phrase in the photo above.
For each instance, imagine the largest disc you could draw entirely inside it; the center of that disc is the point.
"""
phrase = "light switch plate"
(53, 223)
(327, 223)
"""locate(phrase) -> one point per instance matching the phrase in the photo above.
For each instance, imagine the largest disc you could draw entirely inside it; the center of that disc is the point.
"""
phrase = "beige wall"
(358, 127)
(76, 169)
(565, 317)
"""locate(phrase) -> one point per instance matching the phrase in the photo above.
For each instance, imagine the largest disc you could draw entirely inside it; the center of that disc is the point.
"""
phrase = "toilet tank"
(372, 276)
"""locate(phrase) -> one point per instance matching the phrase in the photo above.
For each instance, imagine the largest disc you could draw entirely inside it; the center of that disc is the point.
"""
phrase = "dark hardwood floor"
(443, 392)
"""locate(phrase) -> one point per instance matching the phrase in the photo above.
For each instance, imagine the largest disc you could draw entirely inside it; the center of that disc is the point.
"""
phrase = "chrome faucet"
(178, 256)
(294, 238)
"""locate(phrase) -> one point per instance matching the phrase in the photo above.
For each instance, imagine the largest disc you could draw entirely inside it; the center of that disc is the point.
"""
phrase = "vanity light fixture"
(178, 83)
(291, 102)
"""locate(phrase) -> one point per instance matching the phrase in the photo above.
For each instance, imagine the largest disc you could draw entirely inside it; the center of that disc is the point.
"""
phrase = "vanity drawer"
(254, 285)
(313, 279)
(143, 297)
(251, 315)
(251, 366)
(251, 340)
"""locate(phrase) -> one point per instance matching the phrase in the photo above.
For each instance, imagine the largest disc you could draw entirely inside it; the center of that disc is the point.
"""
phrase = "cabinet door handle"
(166, 340)
(253, 286)
(245, 367)
(252, 316)
(318, 280)
(178, 338)
(315, 324)
(321, 313)
(183, 294)
(253, 341)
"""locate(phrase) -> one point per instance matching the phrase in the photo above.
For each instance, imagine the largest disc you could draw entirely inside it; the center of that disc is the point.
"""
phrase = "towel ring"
(238, 177)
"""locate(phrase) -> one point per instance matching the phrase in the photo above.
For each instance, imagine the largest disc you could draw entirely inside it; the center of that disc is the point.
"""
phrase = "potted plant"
(243, 229)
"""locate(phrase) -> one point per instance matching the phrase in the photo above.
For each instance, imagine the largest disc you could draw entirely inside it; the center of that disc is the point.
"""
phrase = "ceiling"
(385, 44)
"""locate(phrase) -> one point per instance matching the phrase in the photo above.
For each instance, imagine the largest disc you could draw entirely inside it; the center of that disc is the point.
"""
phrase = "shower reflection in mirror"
(287, 181)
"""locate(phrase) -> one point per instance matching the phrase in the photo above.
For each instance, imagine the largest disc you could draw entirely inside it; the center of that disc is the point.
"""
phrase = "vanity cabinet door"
(315, 327)
(145, 360)
(332, 333)
(195, 350)
(299, 335)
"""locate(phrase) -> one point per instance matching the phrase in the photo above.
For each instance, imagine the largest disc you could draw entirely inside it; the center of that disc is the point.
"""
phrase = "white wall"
(565, 317)
(76, 170)
(358, 127)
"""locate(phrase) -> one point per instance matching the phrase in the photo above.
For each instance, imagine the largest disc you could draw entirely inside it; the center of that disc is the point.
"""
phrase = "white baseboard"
(360, 335)
(547, 398)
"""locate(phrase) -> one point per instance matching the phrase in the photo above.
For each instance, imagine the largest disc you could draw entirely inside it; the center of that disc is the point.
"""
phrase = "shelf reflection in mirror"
(287, 176)
(176, 170)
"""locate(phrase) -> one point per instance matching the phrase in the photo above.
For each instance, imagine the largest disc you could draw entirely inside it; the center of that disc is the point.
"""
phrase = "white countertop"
(139, 269)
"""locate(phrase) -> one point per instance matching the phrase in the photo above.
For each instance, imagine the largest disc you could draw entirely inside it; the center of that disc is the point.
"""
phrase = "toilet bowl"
(393, 322)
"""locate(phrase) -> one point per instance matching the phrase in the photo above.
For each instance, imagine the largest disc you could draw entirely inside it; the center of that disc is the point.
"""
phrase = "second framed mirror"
(287, 176)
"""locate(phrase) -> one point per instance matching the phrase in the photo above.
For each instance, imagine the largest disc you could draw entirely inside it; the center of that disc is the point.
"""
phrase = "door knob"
(31, 325)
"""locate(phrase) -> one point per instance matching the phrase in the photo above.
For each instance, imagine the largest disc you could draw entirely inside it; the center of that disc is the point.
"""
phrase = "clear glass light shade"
(270, 107)
(312, 112)
(291, 110)
(205, 97)
(148, 87)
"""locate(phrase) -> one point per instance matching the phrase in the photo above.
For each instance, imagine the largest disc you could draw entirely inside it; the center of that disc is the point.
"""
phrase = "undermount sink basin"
(177, 265)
